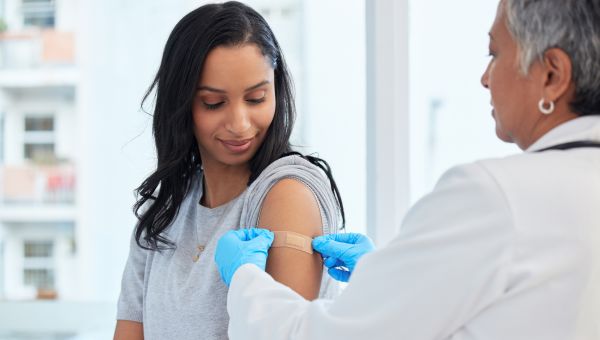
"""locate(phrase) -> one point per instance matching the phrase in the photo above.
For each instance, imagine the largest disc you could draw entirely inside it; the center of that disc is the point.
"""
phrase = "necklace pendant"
(197, 256)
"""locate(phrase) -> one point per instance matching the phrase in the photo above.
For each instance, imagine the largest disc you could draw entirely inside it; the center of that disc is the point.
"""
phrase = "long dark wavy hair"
(194, 36)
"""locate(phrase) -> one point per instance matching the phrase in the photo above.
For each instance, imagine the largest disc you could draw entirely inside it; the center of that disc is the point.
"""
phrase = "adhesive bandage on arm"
(290, 239)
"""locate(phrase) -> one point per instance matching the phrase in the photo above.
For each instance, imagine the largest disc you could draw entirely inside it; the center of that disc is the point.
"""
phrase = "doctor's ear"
(558, 74)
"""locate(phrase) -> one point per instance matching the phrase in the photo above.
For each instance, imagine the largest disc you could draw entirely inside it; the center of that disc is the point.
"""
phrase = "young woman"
(222, 123)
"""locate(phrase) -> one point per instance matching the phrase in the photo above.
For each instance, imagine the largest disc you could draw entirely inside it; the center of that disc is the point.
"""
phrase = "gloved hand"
(341, 252)
(238, 247)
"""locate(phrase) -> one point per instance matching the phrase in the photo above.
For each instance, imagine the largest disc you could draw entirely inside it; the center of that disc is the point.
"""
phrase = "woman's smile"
(237, 145)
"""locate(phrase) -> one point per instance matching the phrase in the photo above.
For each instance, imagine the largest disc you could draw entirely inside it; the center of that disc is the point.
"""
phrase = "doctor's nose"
(485, 77)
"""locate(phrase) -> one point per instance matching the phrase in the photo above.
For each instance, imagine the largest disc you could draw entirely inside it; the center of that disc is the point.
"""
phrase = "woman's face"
(514, 96)
(234, 104)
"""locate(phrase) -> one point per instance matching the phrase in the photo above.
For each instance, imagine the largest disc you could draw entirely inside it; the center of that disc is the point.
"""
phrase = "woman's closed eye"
(256, 98)
(213, 105)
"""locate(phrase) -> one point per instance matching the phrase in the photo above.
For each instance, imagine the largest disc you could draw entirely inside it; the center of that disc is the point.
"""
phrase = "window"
(39, 151)
(39, 138)
(450, 111)
(39, 13)
(39, 124)
(38, 249)
(38, 269)
(39, 278)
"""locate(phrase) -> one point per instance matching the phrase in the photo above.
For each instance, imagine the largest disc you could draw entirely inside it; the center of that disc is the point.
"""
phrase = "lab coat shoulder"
(453, 254)
(463, 193)
(553, 201)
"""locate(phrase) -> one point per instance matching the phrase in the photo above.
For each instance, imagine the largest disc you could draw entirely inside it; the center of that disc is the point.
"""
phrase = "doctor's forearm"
(252, 313)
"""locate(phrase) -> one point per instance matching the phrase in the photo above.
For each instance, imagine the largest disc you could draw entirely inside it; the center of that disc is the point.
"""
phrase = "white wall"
(66, 14)
(119, 49)
(447, 60)
(12, 14)
(334, 98)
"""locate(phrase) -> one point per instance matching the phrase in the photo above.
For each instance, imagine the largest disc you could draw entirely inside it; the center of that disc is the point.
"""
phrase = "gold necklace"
(201, 247)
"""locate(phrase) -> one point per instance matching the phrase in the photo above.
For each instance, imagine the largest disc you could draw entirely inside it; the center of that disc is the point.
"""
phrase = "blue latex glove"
(238, 247)
(341, 252)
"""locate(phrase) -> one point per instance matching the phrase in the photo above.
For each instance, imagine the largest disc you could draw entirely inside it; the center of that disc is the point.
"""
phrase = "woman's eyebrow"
(212, 89)
(254, 87)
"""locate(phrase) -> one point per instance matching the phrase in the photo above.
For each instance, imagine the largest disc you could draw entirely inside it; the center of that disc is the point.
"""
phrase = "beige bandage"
(290, 239)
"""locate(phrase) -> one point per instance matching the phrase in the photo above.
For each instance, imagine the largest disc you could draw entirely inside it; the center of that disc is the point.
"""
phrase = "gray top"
(177, 298)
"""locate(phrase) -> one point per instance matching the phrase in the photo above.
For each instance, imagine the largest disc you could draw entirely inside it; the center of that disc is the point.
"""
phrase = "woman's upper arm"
(128, 330)
(291, 206)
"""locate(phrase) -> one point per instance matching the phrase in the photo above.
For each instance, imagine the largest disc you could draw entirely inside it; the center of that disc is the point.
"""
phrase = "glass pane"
(38, 13)
(39, 123)
(43, 21)
(39, 152)
(39, 278)
(450, 111)
(38, 248)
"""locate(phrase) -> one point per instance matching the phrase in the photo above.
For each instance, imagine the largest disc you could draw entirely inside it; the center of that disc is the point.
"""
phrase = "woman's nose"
(238, 121)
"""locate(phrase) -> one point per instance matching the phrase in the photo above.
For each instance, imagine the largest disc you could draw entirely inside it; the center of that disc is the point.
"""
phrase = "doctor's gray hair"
(571, 25)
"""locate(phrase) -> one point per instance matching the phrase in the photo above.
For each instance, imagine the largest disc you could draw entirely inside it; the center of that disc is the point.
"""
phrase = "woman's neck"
(222, 183)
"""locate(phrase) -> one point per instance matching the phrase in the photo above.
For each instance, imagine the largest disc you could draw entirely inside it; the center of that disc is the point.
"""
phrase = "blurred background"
(74, 142)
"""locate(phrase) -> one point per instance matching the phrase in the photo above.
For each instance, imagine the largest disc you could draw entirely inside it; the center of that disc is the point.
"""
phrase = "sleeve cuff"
(244, 273)
(130, 315)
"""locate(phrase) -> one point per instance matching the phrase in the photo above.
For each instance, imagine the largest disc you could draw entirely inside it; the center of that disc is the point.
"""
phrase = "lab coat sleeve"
(450, 260)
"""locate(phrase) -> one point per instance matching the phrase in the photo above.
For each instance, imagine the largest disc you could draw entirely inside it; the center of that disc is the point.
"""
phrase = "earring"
(546, 110)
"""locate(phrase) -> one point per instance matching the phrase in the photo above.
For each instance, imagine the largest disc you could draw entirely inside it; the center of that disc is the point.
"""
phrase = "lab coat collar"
(586, 128)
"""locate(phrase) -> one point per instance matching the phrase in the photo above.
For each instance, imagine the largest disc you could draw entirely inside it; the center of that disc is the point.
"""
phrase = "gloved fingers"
(330, 248)
(329, 262)
(333, 262)
(229, 238)
(247, 234)
(262, 241)
(243, 234)
(339, 274)
(350, 238)
(255, 232)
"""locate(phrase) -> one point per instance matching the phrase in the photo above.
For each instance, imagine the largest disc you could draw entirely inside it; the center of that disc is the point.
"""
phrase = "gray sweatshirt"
(176, 297)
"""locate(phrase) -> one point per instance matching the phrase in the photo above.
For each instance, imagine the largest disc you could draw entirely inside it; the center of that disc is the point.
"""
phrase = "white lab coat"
(503, 249)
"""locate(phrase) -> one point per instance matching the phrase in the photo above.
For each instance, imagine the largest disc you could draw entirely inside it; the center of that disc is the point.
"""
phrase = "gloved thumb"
(339, 274)
(330, 248)
(262, 239)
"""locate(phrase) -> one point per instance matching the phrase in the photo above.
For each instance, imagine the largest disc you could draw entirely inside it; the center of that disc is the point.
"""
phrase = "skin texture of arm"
(291, 206)
(128, 330)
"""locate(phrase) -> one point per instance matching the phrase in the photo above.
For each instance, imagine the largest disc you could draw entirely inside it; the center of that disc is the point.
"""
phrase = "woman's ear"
(558, 74)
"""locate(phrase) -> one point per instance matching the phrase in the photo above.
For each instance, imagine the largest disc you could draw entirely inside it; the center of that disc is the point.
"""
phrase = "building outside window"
(38, 266)
(39, 138)
(38, 13)
(1, 139)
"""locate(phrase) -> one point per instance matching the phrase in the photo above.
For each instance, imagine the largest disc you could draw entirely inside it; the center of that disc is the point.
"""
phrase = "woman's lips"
(237, 145)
